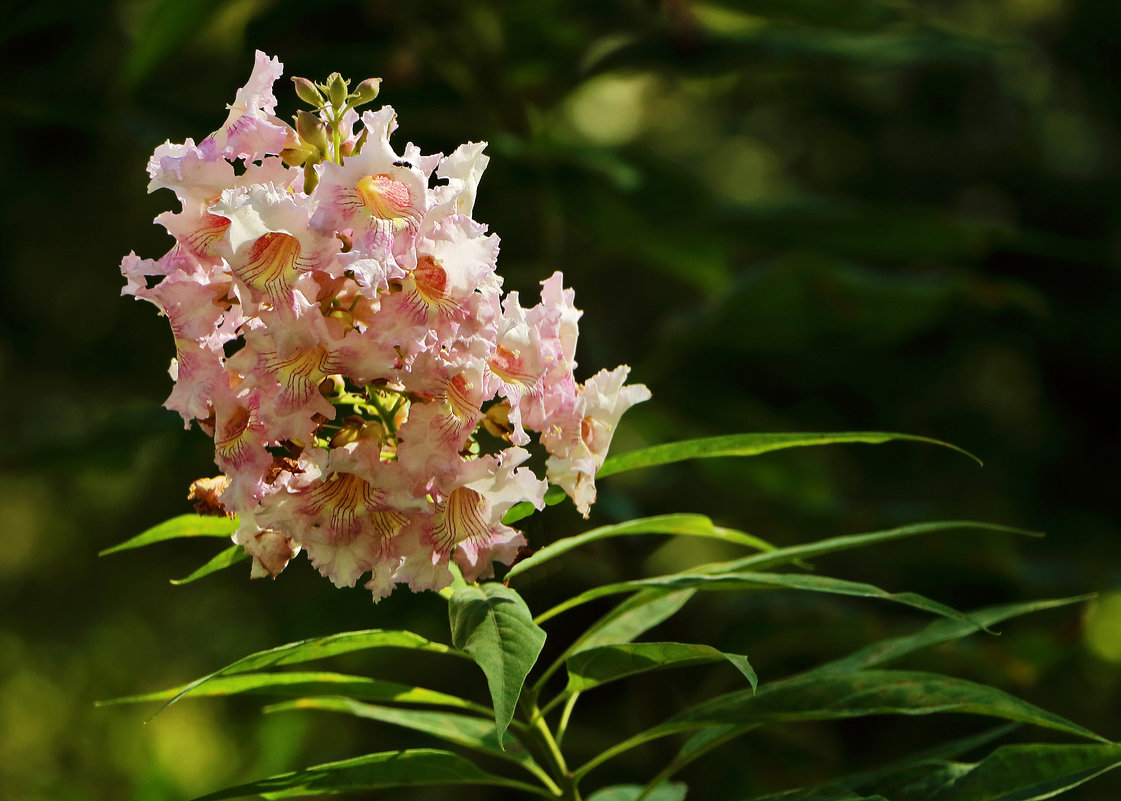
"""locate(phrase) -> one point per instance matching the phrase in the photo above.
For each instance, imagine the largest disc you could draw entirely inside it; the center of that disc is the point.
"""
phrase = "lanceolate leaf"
(176, 527)
(937, 632)
(595, 666)
(1027, 773)
(410, 768)
(518, 511)
(830, 696)
(747, 580)
(469, 732)
(1011, 773)
(688, 525)
(318, 648)
(300, 683)
(631, 792)
(492, 624)
(746, 445)
(780, 556)
(632, 618)
(222, 560)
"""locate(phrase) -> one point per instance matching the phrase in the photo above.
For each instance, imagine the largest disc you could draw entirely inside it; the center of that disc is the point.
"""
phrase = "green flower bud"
(311, 179)
(337, 90)
(365, 92)
(312, 130)
(306, 91)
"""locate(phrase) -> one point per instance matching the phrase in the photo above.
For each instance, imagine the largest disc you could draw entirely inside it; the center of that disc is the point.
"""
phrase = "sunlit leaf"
(524, 509)
(220, 561)
(748, 580)
(631, 792)
(469, 732)
(633, 617)
(301, 683)
(688, 525)
(409, 768)
(492, 624)
(318, 648)
(592, 667)
(176, 527)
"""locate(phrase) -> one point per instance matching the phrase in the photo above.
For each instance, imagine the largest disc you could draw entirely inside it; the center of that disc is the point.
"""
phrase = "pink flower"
(348, 348)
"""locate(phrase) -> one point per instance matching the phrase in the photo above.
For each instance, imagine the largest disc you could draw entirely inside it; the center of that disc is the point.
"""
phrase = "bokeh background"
(786, 215)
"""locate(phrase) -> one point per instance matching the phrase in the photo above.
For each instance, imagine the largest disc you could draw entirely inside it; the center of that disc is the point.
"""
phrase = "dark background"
(786, 215)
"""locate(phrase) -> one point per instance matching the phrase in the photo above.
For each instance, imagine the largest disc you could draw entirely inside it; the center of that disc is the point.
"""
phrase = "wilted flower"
(340, 331)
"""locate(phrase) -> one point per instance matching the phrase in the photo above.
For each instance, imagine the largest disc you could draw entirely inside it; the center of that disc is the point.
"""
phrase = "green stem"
(562, 726)
(567, 791)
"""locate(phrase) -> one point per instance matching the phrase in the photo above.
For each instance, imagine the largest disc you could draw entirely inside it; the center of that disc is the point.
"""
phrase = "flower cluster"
(341, 332)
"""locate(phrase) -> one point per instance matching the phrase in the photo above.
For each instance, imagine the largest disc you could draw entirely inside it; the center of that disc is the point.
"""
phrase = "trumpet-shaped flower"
(340, 332)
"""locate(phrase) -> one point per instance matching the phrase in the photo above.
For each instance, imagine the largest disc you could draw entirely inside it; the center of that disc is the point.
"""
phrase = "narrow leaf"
(493, 625)
(688, 525)
(595, 666)
(220, 561)
(300, 683)
(784, 555)
(1030, 772)
(937, 632)
(666, 791)
(810, 550)
(317, 648)
(748, 445)
(632, 618)
(409, 768)
(831, 696)
(747, 580)
(176, 527)
(469, 732)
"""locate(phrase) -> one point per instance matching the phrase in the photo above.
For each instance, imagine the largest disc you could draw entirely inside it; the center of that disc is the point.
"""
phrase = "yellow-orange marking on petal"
(234, 437)
(387, 199)
(345, 504)
(461, 518)
(271, 264)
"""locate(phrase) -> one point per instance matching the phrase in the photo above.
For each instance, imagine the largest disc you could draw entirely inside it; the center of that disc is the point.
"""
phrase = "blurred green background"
(786, 215)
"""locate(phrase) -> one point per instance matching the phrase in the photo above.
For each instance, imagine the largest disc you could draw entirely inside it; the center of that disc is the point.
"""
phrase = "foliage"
(491, 625)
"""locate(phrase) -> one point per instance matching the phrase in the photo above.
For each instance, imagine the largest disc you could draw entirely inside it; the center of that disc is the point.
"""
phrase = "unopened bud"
(365, 91)
(311, 179)
(312, 130)
(306, 91)
(336, 90)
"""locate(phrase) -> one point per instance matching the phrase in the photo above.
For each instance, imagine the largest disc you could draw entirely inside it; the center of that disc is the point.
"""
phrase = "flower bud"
(497, 420)
(365, 91)
(312, 130)
(337, 90)
(306, 91)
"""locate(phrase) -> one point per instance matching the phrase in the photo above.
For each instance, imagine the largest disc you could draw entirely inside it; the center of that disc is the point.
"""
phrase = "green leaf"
(595, 666)
(409, 768)
(831, 696)
(795, 553)
(747, 580)
(632, 618)
(631, 792)
(469, 732)
(1027, 773)
(937, 632)
(220, 561)
(519, 511)
(688, 525)
(176, 527)
(493, 625)
(301, 683)
(317, 648)
(747, 445)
